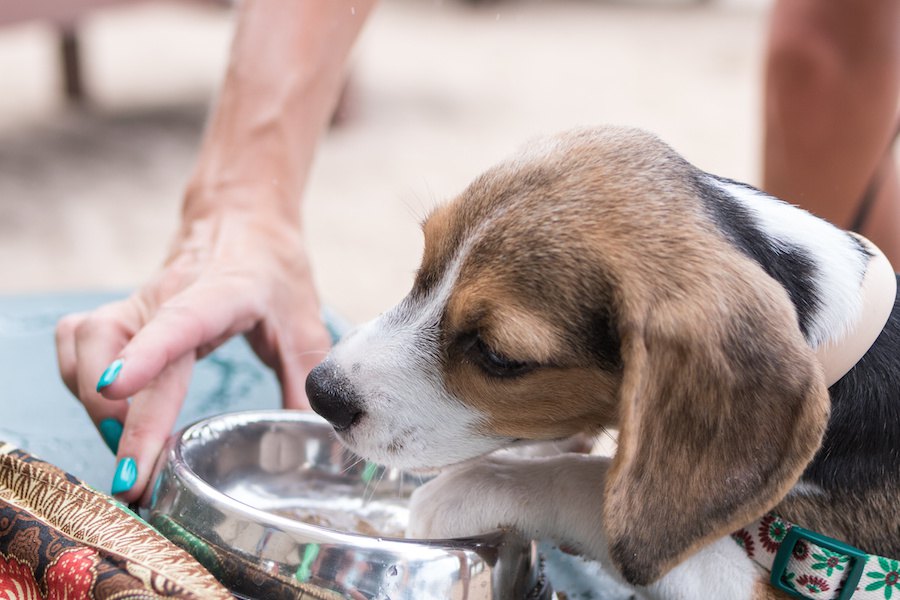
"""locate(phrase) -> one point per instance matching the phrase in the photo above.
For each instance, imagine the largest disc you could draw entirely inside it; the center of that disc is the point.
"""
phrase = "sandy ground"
(88, 199)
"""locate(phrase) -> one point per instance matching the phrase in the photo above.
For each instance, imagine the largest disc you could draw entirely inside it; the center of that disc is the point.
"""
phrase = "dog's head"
(584, 284)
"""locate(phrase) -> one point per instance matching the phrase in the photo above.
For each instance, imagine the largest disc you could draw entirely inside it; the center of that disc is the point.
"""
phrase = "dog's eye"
(496, 364)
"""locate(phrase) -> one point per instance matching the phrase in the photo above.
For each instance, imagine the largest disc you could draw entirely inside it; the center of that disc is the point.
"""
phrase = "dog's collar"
(877, 293)
(809, 565)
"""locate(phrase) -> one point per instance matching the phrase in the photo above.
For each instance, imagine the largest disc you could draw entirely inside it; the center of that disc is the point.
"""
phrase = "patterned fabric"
(59, 539)
(241, 576)
(816, 572)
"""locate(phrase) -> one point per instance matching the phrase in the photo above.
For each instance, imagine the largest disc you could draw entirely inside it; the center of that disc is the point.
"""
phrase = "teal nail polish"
(110, 374)
(111, 432)
(126, 475)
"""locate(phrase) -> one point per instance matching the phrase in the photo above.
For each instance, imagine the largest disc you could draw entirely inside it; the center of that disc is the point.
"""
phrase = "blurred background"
(102, 109)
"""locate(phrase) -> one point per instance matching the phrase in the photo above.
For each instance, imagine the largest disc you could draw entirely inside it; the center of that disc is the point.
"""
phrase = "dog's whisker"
(368, 475)
(608, 433)
(377, 483)
(420, 212)
(358, 460)
(374, 487)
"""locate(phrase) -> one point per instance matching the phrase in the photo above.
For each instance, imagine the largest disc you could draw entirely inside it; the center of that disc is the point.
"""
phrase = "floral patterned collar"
(805, 564)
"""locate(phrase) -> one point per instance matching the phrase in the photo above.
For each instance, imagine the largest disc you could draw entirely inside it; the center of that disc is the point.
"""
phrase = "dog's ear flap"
(722, 407)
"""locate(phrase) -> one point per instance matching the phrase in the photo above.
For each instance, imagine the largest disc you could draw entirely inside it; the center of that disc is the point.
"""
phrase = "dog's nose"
(332, 397)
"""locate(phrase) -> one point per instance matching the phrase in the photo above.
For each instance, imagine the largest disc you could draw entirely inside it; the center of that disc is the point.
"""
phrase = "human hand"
(229, 272)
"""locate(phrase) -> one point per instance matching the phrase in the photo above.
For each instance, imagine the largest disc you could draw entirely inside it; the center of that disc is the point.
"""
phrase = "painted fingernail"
(111, 432)
(110, 374)
(126, 475)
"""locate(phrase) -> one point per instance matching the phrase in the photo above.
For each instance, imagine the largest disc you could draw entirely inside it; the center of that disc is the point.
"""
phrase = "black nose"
(332, 396)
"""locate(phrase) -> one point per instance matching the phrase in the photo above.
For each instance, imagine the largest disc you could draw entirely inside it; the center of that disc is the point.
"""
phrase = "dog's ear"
(722, 405)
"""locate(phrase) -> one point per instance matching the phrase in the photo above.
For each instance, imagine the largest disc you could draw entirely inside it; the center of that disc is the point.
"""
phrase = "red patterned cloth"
(59, 539)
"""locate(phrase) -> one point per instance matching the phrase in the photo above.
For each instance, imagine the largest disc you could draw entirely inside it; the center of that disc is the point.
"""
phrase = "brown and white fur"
(598, 280)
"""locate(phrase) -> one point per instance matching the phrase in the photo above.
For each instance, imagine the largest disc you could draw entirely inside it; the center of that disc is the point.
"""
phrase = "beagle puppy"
(598, 280)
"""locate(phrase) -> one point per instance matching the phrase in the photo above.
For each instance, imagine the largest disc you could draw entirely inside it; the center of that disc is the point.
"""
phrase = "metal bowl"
(275, 507)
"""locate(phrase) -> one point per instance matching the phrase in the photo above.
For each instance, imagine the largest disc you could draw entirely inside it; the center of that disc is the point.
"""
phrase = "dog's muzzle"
(332, 396)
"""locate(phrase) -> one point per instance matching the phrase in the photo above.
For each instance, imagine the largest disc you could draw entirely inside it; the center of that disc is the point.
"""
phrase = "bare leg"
(832, 83)
(883, 223)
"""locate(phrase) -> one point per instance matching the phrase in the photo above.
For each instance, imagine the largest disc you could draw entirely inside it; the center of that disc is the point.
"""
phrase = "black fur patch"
(791, 266)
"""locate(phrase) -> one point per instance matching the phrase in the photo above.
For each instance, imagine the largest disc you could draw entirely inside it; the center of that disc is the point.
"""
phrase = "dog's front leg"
(558, 498)
(561, 499)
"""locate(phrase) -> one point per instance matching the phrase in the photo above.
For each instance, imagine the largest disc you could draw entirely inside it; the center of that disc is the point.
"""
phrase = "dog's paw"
(470, 500)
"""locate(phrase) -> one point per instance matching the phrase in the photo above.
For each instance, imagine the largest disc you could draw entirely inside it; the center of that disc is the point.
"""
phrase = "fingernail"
(126, 475)
(110, 374)
(111, 432)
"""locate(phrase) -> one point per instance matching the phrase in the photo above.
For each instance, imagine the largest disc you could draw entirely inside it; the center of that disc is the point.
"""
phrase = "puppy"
(598, 280)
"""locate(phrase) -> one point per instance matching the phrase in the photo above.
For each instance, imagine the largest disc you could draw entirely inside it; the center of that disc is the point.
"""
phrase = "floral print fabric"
(59, 539)
(816, 572)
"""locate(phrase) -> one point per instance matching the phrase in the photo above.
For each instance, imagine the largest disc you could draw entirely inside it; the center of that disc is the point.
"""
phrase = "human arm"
(832, 84)
(238, 262)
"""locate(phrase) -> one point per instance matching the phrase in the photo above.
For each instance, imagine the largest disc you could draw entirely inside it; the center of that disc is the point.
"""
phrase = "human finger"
(84, 345)
(293, 370)
(107, 416)
(66, 357)
(292, 351)
(187, 323)
(149, 423)
(98, 339)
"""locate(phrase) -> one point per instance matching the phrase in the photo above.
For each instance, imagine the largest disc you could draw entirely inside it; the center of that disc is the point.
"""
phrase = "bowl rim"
(173, 457)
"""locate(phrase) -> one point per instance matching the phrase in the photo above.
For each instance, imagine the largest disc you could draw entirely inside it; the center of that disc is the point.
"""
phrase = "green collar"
(805, 564)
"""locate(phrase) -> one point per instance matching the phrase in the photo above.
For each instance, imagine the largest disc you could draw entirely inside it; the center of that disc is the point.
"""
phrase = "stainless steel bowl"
(268, 501)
